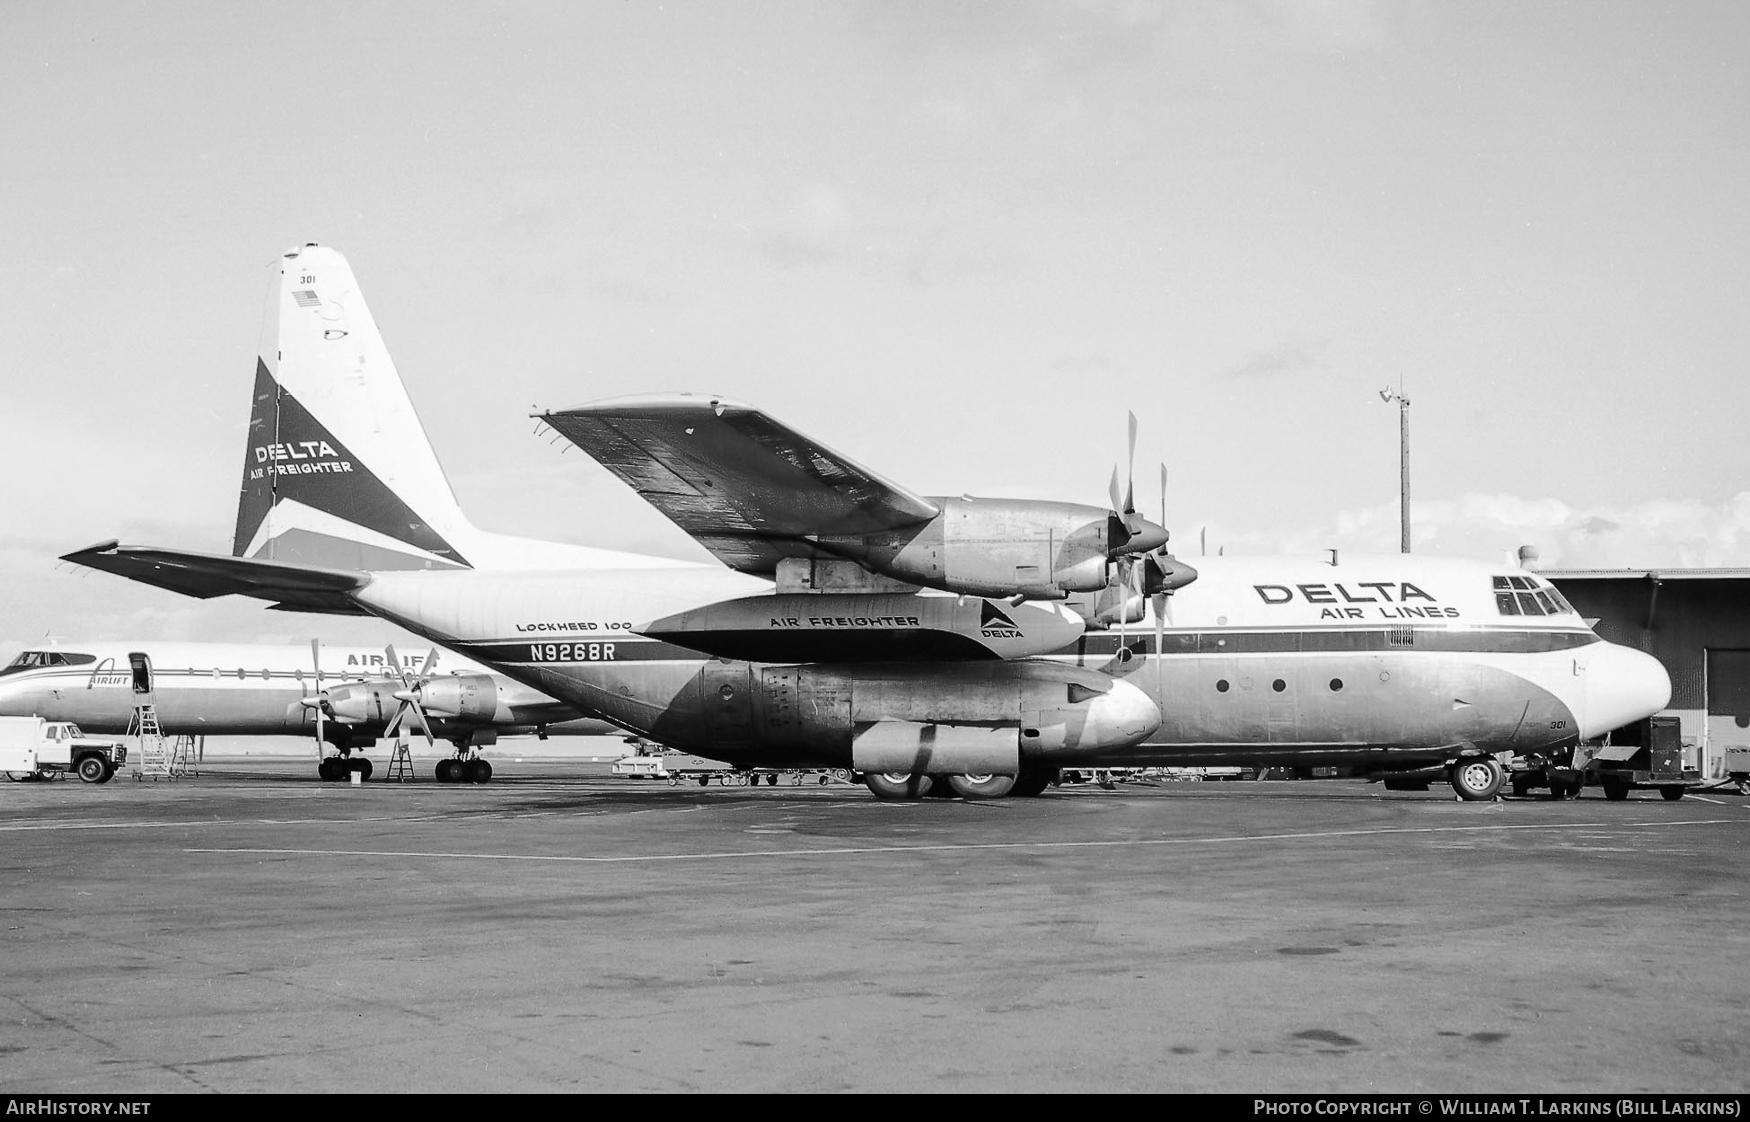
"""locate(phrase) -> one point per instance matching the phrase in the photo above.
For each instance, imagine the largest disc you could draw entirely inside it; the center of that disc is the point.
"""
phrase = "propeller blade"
(430, 664)
(424, 725)
(1159, 604)
(1163, 494)
(1112, 490)
(321, 701)
(395, 664)
(1130, 471)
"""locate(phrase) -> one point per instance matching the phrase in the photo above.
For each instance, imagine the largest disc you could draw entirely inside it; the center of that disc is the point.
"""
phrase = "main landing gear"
(473, 769)
(900, 786)
(339, 769)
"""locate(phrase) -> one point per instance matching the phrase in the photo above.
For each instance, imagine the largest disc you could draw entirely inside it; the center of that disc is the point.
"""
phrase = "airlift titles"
(1339, 594)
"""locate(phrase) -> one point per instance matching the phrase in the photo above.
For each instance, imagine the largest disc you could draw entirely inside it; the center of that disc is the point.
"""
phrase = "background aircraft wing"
(745, 486)
(296, 588)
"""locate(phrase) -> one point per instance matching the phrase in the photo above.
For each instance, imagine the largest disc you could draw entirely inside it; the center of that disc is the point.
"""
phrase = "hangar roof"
(1644, 574)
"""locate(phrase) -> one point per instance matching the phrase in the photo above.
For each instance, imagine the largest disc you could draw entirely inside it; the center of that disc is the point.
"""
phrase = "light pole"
(1389, 395)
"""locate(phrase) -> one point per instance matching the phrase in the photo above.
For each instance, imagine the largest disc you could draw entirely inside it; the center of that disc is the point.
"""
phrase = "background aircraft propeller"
(408, 695)
(318, 702)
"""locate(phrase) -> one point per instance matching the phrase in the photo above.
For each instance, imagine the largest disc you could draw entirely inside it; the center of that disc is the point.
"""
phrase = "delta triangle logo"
(292, 455)
(994, 623)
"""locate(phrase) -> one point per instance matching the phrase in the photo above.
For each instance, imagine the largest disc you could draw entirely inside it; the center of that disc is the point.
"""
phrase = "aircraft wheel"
(360, 765)
(897, 785)
(975, 787)
(477, 771)
(1477, 778)
(449, 771)
(1033, 781)
(1615, 790)
(92, 769)
(1671, 794)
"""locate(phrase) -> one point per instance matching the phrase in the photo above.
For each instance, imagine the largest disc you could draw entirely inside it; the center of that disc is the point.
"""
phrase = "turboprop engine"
(957, 718)
(466, 697)
(1003, 547)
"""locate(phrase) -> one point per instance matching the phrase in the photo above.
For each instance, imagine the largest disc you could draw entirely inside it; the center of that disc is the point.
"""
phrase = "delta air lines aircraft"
(980, 643)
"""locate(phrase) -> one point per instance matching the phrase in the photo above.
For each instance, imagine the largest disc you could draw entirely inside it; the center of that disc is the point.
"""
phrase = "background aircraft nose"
(1623, 686)
(1125, 716)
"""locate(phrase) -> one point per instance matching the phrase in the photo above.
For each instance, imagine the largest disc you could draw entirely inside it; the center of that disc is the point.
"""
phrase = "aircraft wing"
(295, 588)
(745, 486)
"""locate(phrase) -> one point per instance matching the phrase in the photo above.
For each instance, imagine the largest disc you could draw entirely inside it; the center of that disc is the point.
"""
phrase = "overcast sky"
(955, 241)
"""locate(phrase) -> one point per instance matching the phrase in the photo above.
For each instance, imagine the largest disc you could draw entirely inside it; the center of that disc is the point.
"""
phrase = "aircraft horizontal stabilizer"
(301, 588)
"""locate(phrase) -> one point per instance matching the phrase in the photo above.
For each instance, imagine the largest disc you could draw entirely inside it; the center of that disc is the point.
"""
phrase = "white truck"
(32, 748)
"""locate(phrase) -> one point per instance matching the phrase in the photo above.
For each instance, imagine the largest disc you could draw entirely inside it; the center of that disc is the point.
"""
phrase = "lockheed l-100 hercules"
(984, 643)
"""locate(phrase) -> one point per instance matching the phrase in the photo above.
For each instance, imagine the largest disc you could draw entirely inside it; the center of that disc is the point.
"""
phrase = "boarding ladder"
(400, 761)
(150, 750)
(185, 753)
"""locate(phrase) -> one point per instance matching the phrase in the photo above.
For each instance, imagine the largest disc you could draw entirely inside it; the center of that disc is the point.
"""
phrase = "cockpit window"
(36, 660)
(1529, 596)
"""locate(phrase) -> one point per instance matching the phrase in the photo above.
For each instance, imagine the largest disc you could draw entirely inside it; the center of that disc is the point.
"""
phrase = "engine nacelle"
(997, 547)
(464, 697)
(371, 701)
(943, 719)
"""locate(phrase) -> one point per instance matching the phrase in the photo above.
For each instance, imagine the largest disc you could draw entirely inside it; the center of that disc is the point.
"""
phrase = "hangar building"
(1696, 622)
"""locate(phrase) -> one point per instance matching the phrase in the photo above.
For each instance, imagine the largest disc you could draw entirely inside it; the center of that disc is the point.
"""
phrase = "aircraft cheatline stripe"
(632, 648)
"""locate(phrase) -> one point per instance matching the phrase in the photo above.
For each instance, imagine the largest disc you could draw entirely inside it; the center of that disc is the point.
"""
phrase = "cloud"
(1288, 356)
(814, 226)
(1674, 533)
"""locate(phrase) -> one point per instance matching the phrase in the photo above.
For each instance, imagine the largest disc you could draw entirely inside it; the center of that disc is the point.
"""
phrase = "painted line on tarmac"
(945, 847)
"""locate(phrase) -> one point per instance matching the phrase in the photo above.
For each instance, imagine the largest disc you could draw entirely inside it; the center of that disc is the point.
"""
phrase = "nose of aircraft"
(1124, 715)
(1623, 686)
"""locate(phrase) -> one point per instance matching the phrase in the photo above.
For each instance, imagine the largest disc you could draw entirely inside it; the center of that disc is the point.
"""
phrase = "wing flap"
(302, 588)
(747, 487)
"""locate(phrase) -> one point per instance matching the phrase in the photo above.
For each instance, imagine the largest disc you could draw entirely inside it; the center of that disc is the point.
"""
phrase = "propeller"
(318, 702)
(1128, 531)
(408, 695)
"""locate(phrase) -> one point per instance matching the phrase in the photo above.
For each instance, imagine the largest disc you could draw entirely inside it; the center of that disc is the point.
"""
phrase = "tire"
(974, 788)
(1671, 794)
(477, 771)
(93, 769)
(772, 780)
(449, 771)
(1615, 790)
(108, 772)
(1477, 778)
(897, 786)
(362, 766)
(1033, 781)
(704, 781)
(21, 776)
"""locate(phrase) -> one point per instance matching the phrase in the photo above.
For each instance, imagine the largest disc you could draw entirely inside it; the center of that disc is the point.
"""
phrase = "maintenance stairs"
(157, 760)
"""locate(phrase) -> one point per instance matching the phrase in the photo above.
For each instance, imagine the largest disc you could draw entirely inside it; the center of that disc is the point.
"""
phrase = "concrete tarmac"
(252, 929)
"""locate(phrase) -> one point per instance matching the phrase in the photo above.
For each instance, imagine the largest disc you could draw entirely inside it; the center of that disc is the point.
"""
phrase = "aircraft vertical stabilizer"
(337, 470)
